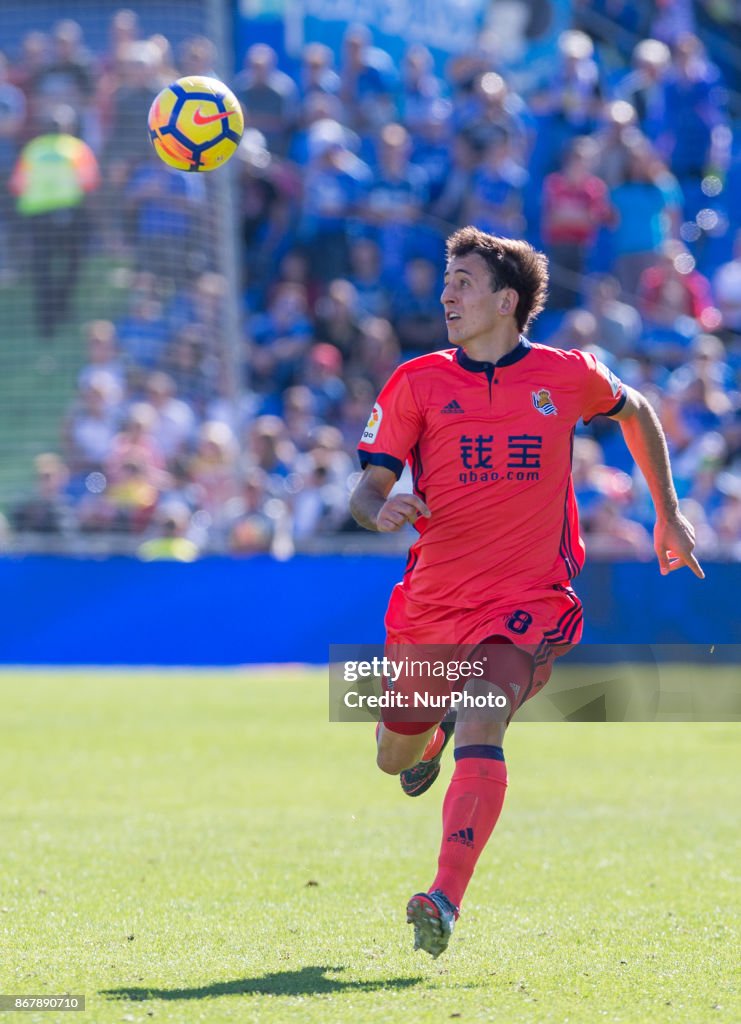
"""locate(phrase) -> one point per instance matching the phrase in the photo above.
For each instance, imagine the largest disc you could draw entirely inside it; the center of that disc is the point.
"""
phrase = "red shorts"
(537, 628)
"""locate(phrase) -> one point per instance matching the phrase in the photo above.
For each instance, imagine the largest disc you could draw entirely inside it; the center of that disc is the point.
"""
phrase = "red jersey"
(661, 290)
(489, 445)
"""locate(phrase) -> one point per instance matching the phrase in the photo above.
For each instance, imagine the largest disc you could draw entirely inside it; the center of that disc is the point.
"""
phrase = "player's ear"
(509, 301)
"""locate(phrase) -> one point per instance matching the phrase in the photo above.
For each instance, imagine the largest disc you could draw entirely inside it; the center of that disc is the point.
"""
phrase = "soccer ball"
(195, 124)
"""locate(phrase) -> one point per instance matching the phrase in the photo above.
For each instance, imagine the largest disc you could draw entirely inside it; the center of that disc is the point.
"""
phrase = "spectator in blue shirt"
(366, 277)
(338, 317)
(694, 141)
(415, 310)
(494, 108)
(333, 189)
(368, 81)
(164, 207)
(431, 146)
(143, 333)
(396, 198)
(322, 375)
(644, 86)
(495, 201)
(317, 107)
(569, 103)
(466, 157)
(647, 208)
(269, 97)
(317, 73)
(420, 87)
(280, 339)
(378, 353)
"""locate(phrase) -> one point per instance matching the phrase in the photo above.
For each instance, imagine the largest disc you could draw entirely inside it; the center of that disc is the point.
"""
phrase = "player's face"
(472, 309)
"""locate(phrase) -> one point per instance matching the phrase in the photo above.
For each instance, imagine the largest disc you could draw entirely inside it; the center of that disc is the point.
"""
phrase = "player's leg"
(475, 794)
(402, 744)
(417, 780)
(408, 735)
(415, 757)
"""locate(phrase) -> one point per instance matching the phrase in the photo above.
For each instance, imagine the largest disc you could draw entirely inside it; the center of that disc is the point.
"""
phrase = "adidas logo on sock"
(463, 835)
(452, 407)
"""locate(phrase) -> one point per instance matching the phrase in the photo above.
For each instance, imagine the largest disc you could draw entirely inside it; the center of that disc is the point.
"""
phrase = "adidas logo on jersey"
(463, 835)
(452, 407)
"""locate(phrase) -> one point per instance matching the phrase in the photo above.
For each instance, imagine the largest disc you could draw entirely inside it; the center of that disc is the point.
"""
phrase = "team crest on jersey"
(543, 402)
(374, 422)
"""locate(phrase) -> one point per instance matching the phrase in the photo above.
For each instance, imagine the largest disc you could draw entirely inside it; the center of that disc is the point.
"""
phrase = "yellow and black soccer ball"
(195, 124)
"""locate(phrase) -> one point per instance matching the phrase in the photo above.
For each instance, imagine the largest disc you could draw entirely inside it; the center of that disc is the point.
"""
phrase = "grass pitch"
(185, 847)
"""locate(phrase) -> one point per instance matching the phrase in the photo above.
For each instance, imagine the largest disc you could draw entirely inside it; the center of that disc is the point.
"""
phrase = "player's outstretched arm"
(674, 535)
(372, 508)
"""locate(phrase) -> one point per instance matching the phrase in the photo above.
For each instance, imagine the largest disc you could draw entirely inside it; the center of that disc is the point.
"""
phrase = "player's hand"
(400, 509)
(674, 542)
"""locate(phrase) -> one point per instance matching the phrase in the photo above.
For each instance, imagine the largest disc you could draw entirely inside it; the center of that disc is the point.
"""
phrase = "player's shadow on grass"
(309, 981)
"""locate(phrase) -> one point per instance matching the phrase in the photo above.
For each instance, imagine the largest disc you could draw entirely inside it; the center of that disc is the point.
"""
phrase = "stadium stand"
(171, 400)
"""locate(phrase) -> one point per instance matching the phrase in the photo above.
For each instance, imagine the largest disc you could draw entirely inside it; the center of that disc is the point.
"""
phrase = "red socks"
(470, 811)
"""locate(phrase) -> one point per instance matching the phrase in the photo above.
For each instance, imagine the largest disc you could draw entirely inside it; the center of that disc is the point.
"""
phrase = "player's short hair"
(512, 264)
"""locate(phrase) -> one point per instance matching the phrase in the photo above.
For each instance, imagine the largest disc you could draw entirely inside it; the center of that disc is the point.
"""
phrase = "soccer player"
(487, 427)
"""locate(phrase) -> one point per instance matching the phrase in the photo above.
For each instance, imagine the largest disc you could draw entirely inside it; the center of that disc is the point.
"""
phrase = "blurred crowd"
(623, 165)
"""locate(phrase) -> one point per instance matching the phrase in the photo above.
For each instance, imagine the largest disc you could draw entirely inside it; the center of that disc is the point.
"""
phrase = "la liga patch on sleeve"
(374, 422)
(610, 377)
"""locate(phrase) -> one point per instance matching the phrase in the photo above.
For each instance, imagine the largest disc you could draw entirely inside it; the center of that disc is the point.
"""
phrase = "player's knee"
(479, 731)
(393, 761)
(388, 762)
